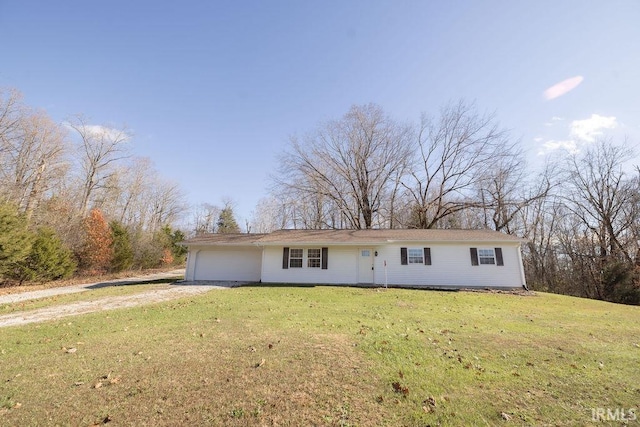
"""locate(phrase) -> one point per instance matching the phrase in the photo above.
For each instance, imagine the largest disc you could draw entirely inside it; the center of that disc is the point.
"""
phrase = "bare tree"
(599, 193)
(455, 152)
(166, 202)
(507, 190)
(270, 214)
(124, 195)
(100, 147)
(583, 239)
(349, 163)
(32, 153)
(12, 110)
(543, 222)
(205, 217)
(39, 162)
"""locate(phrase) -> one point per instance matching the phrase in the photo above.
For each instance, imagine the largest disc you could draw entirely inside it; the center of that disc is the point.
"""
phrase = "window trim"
(413, 258)
(286, 258)
(314, 258)
(488, 259)
(291, 257)
(497, 257)
(425, 256)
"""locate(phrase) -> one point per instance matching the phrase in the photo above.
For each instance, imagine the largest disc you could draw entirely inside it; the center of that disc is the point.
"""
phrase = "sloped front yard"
(327, 356)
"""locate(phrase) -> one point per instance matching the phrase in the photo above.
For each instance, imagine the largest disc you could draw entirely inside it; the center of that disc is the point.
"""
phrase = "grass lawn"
(327, 356)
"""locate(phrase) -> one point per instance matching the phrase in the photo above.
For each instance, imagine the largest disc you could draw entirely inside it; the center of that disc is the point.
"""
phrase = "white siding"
(342, 266)
(225, 263)
(451, 266)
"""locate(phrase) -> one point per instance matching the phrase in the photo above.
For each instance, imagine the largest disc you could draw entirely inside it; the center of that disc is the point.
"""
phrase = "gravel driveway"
(158, 294)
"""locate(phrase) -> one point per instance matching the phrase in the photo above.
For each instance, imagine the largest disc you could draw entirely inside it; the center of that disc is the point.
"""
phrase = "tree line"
(580, 213)
(73, 198)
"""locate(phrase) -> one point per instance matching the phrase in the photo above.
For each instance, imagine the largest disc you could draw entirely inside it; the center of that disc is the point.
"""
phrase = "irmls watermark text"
(614, 414)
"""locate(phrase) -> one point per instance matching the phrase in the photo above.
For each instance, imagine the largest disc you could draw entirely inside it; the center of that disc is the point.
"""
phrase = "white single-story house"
(398, 257)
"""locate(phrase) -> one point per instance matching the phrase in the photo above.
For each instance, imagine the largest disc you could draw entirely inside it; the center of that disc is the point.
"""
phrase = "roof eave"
(382, 242)
(218, 243)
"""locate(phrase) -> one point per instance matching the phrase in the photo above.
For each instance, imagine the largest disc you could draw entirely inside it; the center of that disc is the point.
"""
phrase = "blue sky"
(213, 90)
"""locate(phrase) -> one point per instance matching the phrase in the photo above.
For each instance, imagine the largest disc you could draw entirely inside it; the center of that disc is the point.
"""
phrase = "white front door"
(365, 265)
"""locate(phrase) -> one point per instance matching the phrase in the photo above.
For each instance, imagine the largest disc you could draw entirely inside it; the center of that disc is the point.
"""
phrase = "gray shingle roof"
(224, 239)
(346, 237)
(377, 236)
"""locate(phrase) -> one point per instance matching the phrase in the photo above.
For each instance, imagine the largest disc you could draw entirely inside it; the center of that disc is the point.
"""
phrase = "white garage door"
(237, 264)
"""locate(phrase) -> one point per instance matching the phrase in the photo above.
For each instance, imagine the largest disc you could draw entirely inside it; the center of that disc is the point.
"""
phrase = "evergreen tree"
(172, 243)
(48, 259)
(121, 246)
(15, 239)
(227, 222)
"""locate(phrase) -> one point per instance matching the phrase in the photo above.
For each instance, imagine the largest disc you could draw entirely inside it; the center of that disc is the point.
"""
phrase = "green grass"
(326, 356)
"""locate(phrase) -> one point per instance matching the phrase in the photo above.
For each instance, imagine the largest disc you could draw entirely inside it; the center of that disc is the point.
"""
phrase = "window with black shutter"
(427, 256)
(474, 256)
(325, 258)
(285, 258)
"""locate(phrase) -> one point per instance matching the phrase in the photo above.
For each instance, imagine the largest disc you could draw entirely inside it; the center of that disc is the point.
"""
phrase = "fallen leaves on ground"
(399, 388)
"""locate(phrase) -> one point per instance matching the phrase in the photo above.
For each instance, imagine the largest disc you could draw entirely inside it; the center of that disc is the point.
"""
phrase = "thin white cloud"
(590, 129)
(553, 121)
(552, 145)
(581, 132)
(99, 131)
(107, 132)
(562, 88)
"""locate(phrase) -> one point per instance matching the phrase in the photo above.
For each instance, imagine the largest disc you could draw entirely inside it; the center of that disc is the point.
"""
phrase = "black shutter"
(474, 256)
(325, 256)
(427, 256)
(499, 260)
(403, 256)
(285, 258)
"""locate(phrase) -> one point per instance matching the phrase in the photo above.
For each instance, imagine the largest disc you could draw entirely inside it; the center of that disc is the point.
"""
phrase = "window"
(295, 258)
(365, 252)
(313, 258)
(486, 256)
(415, 256)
